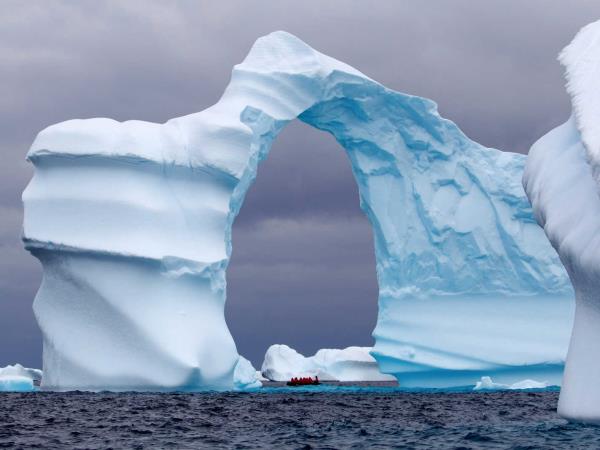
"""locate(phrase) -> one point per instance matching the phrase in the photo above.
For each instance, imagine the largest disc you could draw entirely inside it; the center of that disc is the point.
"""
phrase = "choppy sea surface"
(324, 417)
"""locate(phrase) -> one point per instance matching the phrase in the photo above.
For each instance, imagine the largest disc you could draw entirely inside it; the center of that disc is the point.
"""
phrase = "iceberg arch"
(562, 180)
(132, 224)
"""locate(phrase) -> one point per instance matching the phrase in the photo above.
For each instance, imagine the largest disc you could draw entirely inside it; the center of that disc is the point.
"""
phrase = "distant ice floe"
(349, 364)
(17, 378)
(486, 384)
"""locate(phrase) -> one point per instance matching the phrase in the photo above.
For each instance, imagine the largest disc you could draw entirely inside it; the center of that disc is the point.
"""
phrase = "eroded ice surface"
(281, 363)
(132, 224)
(562, 182)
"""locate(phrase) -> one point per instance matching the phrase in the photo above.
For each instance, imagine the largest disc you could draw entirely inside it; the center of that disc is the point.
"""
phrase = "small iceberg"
(349, 364)
(245, 375)
(17, 378)
(486, 384)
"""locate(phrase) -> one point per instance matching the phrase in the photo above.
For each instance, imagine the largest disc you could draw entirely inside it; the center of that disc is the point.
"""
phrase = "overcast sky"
(302, 271)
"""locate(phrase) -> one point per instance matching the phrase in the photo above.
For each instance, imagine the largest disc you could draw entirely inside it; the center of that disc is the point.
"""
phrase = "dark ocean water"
(285, 418)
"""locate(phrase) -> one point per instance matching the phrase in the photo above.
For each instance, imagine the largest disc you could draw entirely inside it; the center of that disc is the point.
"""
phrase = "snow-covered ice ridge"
(132, 223)
(281, 363)
(562, 180)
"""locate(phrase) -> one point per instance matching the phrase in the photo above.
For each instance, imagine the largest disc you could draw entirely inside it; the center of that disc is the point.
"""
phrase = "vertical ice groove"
(132, 223)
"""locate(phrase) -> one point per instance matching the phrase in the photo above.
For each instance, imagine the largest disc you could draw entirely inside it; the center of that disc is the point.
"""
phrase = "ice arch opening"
(292, 269)
(132, 223)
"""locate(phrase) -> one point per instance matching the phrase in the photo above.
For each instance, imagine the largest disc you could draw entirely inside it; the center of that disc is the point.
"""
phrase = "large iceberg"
(562, 180)
(132, 224)
(281, 363)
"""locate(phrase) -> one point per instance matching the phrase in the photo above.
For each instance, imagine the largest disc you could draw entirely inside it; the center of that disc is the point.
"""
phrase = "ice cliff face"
(561, 180)
(132, 223)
